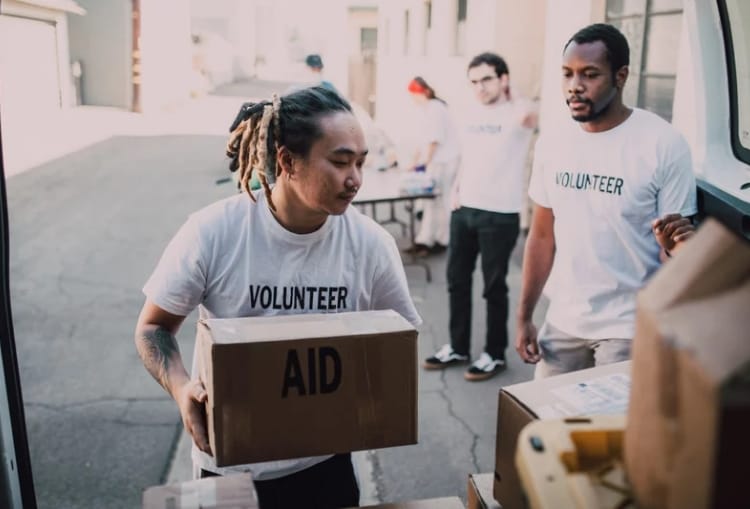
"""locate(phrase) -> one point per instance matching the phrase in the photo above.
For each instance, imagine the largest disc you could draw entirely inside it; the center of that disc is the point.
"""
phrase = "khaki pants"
(562, 353)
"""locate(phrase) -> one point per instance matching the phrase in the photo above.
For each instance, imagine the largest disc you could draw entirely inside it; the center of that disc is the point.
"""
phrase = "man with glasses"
(486, 202)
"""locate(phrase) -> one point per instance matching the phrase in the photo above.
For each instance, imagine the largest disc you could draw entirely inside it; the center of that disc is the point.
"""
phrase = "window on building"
(427, 27)
(652, 28)
(461, 9)
(368, 40)
(406, 32)
(387, 31)
(737, 12)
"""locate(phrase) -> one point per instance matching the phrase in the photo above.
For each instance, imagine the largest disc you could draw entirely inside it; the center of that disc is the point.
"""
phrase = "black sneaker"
(423, 252)
(443, 358)
(438, 248)
(416, 249)
(483, 368)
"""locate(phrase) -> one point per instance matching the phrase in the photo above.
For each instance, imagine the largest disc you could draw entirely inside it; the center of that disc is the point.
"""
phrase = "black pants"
(493, 235)
(327, 485)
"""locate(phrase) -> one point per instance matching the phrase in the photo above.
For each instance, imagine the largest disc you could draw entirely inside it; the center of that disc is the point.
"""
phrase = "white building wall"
(482, 18)
(59, 20)
(491, 25)
(165, 54)
(362, 67)
(335, 45)
(359, 19)
(563, 19)
(234, 21)
(289, 30)
(244, 39)
(101, 41)
(395, 111)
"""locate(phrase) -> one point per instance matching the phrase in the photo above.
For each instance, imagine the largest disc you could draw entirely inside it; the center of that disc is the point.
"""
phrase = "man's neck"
(497, 102)
(292, 215)
(617, 115)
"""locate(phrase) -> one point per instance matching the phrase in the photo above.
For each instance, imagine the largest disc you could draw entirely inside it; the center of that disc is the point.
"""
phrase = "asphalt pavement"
(86, 229)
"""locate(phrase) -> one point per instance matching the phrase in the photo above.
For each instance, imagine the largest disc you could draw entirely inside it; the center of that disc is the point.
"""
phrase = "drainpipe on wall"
(136, 56)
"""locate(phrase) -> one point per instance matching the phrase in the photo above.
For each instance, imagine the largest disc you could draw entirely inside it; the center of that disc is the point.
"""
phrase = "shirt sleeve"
(390, 289)
(676, 182)
(537, 191)
(178, 283)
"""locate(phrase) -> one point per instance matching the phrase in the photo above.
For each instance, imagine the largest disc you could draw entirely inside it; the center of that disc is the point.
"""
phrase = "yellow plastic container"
(574, 463)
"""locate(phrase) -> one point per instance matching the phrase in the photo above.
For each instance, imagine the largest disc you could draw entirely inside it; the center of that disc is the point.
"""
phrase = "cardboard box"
(689, 415)
(599, 390)
(432, 503)
(304, 385)
(232, 491)
(479, 492)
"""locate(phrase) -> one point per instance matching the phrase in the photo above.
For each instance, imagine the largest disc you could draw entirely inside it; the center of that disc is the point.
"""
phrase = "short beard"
(596, 110)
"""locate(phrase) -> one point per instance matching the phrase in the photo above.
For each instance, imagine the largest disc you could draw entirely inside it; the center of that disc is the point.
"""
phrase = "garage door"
(29, 76)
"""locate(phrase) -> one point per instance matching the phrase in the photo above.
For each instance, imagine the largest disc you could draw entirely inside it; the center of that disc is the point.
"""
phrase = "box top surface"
(599, 390)
(224, 491)
(432, 503)
(305, 326)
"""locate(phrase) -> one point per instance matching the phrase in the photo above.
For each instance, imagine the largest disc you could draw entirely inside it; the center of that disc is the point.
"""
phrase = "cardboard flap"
(432, 503)
(236, 491)
(311, 325)
(714, 260)
(691, 345)
(479, 492)
(714, 330)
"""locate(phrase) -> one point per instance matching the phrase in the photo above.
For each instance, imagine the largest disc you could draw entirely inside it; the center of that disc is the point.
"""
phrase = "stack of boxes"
(303, 385)
(292, 386)
(688, 431)
(595, 391)
(685, 437)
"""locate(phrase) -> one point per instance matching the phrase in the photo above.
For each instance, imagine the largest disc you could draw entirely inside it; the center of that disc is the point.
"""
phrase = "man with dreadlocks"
(296, 235)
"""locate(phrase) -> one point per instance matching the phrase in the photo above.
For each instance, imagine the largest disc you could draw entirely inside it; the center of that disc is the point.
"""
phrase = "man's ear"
(505, 80)
(621, 76)
(285, 161)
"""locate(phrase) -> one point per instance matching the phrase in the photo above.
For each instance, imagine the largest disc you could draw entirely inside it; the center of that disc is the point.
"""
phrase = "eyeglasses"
(483, 81)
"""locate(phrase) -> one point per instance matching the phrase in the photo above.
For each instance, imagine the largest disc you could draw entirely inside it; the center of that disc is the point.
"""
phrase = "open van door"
(16, 484)
(712, 106)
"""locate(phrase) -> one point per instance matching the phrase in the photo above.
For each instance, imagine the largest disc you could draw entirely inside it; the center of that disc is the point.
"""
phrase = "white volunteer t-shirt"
(495, 148)
(437, 127)
(604, 190)
(233, 259)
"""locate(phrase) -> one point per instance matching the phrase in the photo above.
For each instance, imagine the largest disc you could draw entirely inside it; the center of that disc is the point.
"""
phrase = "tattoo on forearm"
(156, 348)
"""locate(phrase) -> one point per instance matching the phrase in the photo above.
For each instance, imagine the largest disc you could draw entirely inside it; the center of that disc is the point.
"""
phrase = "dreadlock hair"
(260, 129)
(618, 51)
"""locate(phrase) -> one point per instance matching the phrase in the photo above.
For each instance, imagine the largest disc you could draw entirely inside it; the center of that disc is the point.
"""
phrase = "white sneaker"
(484, 367)
(443, 358)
